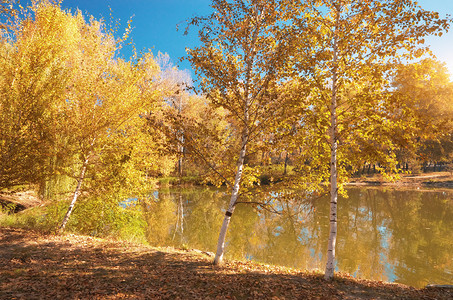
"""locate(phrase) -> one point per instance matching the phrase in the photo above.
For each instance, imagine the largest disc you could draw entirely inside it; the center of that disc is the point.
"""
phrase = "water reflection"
(400, 236)
(185, 217)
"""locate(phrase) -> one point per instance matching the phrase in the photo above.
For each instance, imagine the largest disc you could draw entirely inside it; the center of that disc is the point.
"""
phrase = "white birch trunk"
(330, 265)
(74, 198)
(218, 259)
(250, 57)
(181, 142)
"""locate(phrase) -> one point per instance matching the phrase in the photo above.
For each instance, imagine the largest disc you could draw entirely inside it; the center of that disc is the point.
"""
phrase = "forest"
(305, 95)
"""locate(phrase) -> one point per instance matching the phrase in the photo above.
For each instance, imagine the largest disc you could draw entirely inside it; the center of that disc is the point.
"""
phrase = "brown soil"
(426, 180)
(37, 266)
(21, 200)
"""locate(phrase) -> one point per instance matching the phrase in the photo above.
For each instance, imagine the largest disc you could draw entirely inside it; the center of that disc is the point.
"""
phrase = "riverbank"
(27, 199)
(423, 180)
(34, 265)
(18, 201)
(432, 179)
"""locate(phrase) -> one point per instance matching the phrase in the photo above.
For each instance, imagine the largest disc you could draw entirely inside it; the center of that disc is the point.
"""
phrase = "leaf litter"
(43, 266)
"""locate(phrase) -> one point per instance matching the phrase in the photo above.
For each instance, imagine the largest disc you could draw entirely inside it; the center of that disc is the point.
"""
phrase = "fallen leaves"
(32, 266)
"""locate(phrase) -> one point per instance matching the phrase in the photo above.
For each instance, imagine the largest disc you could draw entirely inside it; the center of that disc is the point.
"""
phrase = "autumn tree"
(205, 130)
(72, 107)
(427, 91)
(33, 82)
(352, 49)
(241, 65)
(194, 129)
(176, 81)
(108, 95)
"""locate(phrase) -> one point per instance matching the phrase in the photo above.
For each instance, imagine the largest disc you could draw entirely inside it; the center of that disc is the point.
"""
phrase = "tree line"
(335, 84)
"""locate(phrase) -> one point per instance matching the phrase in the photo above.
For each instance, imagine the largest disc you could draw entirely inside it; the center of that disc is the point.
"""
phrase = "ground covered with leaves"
(42, 266)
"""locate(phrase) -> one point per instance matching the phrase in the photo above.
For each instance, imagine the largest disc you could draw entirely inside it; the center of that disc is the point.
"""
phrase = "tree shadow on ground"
(33, 266)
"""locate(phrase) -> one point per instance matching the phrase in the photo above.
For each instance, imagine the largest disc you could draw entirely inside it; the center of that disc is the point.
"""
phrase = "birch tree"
(241, 64)
(108, 94)
(353, 48)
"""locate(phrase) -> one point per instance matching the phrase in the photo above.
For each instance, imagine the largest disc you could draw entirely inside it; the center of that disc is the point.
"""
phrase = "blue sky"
(154, 23)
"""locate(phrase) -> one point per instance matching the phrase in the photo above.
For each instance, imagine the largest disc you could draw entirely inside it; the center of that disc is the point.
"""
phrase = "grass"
(32, 218)
(46, 218)
(174, 180)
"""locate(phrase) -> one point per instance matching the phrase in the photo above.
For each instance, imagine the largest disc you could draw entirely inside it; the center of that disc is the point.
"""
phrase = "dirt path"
(35, 266)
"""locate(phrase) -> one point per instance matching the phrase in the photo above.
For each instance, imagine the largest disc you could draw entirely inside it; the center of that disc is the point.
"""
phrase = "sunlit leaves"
(425, 90)
(347, 57)
(35, 76)
(242, 61)
(371, 36)
(70, 104)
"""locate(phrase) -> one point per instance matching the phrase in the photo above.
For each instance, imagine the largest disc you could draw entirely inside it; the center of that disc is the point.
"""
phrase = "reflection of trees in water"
(179, 226)
(392, 235)
(203, 217)
(184, 216)
(360, 248)
(285, 241)
(383, 234)
(160, 217)
(422, 238)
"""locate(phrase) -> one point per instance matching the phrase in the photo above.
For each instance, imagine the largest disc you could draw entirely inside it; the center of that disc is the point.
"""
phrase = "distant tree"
(176, 81)
(198, 129)
(427, 91)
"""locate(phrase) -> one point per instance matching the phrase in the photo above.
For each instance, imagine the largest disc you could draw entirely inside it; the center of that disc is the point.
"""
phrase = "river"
(403, 236)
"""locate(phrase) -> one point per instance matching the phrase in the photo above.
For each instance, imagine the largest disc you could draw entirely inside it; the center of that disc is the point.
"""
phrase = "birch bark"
(218, 259)
(76, 195)
(330, 265)
(250, 60)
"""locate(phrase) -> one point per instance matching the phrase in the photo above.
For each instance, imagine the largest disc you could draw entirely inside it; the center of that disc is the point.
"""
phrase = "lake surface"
(383, 234)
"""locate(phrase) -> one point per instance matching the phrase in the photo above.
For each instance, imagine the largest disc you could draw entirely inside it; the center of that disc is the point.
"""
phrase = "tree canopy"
(72, 107)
